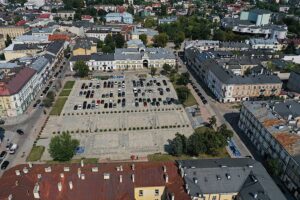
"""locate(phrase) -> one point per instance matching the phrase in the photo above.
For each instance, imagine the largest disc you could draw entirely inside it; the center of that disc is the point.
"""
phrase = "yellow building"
(84, 47)
(2, 42)
(14, 51)
(149, 193)
(12, 31)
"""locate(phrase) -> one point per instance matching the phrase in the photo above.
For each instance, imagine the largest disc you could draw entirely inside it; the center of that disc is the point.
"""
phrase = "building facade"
(124, 17)
(273, 128)
(12, 31)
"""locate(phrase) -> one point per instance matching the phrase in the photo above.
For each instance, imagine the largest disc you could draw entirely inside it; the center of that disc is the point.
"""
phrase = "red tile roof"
(58, 37)
(86, 17)
(44, 16)
(21, 22)
(15, 80)
(93, 186)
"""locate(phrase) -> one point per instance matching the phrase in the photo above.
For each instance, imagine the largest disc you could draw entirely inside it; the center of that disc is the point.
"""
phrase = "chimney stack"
(132, 177)
(82, 177)
(70, 185)
(79, 172)
(25, 170)
(132, 166)
(121, 168)
(165, 168)
(18, 173)
(166, 178)
(10, 197)
(59, 186)
(121, 178)
(36, 191)
(30, 165)
(82, 163)
(62, 175)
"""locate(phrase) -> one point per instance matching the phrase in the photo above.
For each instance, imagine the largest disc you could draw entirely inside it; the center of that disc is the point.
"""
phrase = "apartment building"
(84, 46)
(107, 181)
(65, 14)
(99, 34)
(14, 51)
(12, 31)
(18, 87)
(124, 17)
(293, 82)
(273, 128)
(227, 179)
(96, 61)
(233, 79)
(262, 43)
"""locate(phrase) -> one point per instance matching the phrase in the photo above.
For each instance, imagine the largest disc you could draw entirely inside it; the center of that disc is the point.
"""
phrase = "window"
(156, 192)
(141, 193)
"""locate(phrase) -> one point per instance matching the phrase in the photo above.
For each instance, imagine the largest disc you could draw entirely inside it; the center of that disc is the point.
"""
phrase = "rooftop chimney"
(82, 163)
(172, 196)
(121, 168)
(195, 180)
(79, 172)
(36, 191)
(121, 178)
(165, 168)
(30, 165)
(70, 185)
(255, 195)
(66, 169)
(39, 176)
(48, 169)
(133, 167)
(132, 177)
(106, 176)
(59, 186)
(166, 178)
(95, 169)
(25, 170)
(82, 177)
(62, 175)
(18, 173)
(10, 197)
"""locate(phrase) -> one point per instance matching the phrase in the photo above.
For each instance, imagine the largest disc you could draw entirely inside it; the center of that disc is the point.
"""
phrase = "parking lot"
(128, 113)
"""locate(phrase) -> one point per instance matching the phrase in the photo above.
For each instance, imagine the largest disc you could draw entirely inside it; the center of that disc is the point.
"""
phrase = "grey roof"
(19, 47)
(39, 63)
(55, 47)
(135, 54)
(102, 57)
(287, 108)
(234, 45)
(80, 57)
(242, 175)
(49, 57)
(83, 43)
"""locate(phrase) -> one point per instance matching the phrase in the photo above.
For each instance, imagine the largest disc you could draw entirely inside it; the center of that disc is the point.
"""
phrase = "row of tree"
(111, 42)
(203, 140)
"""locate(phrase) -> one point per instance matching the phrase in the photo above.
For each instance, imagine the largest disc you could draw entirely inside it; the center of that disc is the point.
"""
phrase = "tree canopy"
(62, 147)
(161, 40)
(81, 68)
(143, 37)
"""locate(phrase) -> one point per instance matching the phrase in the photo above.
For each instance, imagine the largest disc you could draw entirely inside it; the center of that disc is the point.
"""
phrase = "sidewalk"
(9, 121)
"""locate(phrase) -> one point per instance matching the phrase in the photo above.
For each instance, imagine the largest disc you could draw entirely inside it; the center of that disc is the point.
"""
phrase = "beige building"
(2, 42)
(14, 51)
(84, 47)
(12, 31)
(66, 14)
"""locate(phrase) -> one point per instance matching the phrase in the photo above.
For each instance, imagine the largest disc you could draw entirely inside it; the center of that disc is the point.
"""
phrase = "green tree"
(212, 121)
(182, 93)
(179, 38)
(223, 130)
(8, 40)
(153, 71)
(100, 44)
(290, 49)
(247, 71)
(178, 145)
(119, 40)
(130, 9)
(149, 22)
(183, 79)
(273, 167)
(167, 68)
(161, 40)
(81, 68)
(62, 147)
(143, 37)
(163, 10)
(219, 35)
(196, 144)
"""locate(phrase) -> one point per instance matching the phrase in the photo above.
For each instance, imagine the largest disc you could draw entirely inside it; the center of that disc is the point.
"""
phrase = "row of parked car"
(90, 86)
(204, 101)
(141, 82)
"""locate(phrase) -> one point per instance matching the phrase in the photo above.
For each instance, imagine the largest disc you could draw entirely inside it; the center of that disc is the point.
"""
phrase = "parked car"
(3, 154)
(4, 165)
(13, 149)
(20, 131)
(75, 107)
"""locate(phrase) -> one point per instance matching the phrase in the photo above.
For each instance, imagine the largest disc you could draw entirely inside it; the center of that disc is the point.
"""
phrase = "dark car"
(4, 164)
(204, 101)
(84, 105)
(89, 106)
(20, 131)
(105, 105)
(75, 107)
(3, 154)
(168, 89)
(34, 105)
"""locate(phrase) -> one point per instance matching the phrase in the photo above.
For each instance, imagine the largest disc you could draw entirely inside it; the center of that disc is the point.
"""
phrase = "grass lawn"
(58, 106)
(190, 101)
(86, 161)
(166, 157)
(64, 93)
(35, 153)
(69, 85)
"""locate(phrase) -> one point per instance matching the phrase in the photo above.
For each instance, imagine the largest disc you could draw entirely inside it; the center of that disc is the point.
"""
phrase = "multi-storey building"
(12, 31)
(227, 179)
(95, 61)
(15, 51)
(233, 79)
(18, 87)
(273, 128)
(124, 17)
(66, 14)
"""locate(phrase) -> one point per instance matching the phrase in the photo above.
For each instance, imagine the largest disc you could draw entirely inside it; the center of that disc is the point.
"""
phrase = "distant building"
(88, 18)
(273, 128)
(124, 17)
(12, 31)
(66, 14)
(150, 33)
(18, 86)
(14, 51)
(84, 46)
(226, 179)
(294, 82)
(96, 61)
(99, 34)
(233, 79)
(257, 16)
(167, 20)
(42, 31)
(31, 39)
(2, 42)
(261, 43)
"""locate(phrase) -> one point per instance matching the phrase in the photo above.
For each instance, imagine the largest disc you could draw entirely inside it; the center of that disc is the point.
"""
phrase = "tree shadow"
(2, 133)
